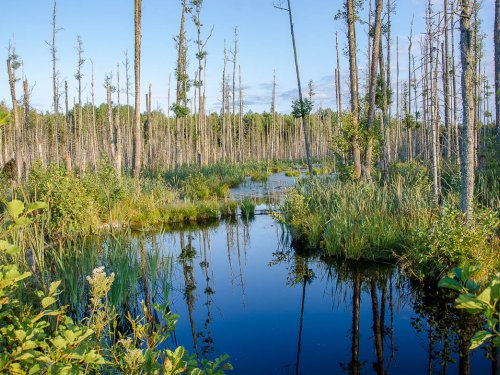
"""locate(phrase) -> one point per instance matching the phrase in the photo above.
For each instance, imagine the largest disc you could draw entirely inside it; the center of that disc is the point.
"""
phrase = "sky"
(107, 30)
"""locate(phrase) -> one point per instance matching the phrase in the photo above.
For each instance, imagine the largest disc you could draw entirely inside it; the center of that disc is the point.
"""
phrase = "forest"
(354, 230)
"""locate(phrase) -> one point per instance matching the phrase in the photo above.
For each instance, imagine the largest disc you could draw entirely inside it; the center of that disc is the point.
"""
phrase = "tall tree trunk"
(180, 98)
(353, 77)
(304, 123)
(373, 85)
(137, 71)
(446, 84)
(119, 140)
(497, 67)
(467, 83)
(17, 128)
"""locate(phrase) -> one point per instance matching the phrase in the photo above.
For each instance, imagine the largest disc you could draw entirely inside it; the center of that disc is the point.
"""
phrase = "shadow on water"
(241, 288)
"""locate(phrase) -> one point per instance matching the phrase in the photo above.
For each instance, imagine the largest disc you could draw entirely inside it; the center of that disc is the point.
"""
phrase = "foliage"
(71, 208)
(247, 208)
(42, 338)
(301, 108)
(449, 242)
(477, 299)
(355, 220)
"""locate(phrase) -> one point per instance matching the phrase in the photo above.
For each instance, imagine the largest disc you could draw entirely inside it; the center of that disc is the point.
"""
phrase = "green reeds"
(356, 220)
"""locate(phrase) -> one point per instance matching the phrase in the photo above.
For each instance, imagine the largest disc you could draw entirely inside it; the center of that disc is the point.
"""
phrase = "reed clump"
(355, 219)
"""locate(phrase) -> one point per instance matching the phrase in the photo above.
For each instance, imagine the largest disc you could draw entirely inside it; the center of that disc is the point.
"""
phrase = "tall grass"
(356, 219)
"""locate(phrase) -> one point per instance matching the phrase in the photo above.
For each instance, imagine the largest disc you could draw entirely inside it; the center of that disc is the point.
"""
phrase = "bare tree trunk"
(497, 67)
(235, 54)
(240, 122)
(137, 71)
(467, 109)
(17, 130)
(446, 84)
(54, 78)
(119, 140)
(373, 85)
(353, 75)
(304, 123)
(223, 124)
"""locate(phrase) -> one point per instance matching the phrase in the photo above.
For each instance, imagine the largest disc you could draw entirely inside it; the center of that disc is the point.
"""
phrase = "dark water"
(240, 288)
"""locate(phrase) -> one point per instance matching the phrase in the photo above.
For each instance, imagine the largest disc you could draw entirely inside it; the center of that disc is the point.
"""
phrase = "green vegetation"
(100, 199)
(352, 219)
(247, 208)
(38, 336)
(396, 220)
(292, 173)
(477, 299)
(448, 242)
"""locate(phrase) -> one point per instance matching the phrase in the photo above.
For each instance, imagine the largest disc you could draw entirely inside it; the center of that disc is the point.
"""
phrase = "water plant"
(247, 208)
(477, 299)
(39, 336)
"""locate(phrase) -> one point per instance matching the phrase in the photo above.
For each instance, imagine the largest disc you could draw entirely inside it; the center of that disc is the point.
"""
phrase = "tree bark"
(373, 85)
(497, 67)
(467, 83)
(304, 123)
(353, 77)
(137, 71)
(17, 130)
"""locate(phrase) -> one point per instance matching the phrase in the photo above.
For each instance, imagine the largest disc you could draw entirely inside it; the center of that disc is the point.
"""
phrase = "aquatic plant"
(356, 220)
(477, 299)
(247, 208)
(31, 342)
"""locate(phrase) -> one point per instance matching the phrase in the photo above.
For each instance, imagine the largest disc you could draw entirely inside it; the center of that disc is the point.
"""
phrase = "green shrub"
(72, 209)
(449, 242)
(477, 298)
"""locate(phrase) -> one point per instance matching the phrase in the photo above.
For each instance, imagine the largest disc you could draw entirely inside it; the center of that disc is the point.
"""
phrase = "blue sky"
(106, 27)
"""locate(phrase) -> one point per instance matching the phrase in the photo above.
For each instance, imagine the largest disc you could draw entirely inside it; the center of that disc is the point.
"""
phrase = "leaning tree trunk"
(467, 59)
(304, 123)
(137, 71)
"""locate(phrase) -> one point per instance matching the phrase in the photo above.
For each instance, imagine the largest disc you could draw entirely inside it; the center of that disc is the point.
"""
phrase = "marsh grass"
(356, 220)
(247, 208)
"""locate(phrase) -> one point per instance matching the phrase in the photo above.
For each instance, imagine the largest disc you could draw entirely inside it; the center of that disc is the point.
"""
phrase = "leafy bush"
(449, 242)
(72, 209)
(105, 185)
(477, 299)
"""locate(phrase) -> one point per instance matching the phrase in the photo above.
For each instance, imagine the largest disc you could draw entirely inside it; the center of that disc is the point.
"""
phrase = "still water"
(241, 288)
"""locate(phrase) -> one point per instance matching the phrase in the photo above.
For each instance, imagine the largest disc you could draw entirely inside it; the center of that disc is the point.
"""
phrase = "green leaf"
(450, 283)
(21, 222)
(35, 206)
(53, 286)
(495, 291)
(15, 208)
(9, 248)
(496, 341)
(479, 338)
(469, 303)
(485, 296)
(47, 301)
(59, 342)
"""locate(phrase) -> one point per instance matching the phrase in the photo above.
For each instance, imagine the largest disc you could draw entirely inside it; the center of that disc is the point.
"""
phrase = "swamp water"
(241, 288)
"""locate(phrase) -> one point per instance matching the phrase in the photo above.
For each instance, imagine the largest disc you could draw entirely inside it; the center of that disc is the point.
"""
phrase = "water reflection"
(241, 288)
